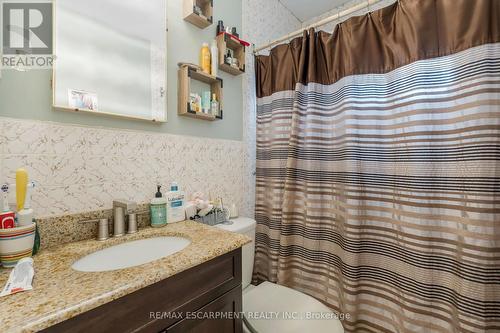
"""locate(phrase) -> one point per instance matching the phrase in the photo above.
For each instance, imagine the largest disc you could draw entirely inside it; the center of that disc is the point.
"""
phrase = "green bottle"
(158, 210)
(36, 245)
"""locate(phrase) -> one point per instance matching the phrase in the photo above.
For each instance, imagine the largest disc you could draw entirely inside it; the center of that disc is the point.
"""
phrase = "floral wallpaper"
(78, 169)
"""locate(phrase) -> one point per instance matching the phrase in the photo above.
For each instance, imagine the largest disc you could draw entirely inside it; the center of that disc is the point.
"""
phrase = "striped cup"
(16, 243)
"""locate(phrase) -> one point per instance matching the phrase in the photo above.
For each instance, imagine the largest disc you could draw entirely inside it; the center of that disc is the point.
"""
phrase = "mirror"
(111, 57)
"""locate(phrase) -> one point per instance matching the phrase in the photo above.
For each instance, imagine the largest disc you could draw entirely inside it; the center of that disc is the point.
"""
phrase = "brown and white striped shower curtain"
(378, 167)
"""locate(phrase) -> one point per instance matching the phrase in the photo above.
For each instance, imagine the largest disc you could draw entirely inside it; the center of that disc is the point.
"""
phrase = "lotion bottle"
(205, 102)
(175, 208)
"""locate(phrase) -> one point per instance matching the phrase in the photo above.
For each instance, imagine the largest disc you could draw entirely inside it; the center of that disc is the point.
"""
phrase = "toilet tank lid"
(239, 225)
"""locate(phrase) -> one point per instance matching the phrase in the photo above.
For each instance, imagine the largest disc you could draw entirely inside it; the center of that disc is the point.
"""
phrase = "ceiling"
(307, 9)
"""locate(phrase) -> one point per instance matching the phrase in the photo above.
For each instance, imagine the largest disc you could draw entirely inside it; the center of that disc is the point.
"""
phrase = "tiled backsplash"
(58, 230)
(81, 169)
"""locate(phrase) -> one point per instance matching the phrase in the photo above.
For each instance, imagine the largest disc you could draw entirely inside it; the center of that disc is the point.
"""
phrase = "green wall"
(28, 95)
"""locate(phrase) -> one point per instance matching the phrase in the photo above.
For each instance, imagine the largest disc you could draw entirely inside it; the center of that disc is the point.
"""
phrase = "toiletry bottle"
(25, 215)
(229, 58)
(234, 32)
(220, 27)
(205, 102)
(36, 245)
(205, 62)
(192, 102)
(7, 217)
(158, 209)
(198, 103)
(176, 208)
(215, 57)
(214, 107)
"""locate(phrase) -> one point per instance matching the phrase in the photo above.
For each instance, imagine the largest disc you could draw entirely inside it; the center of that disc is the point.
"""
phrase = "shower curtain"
(378, 167)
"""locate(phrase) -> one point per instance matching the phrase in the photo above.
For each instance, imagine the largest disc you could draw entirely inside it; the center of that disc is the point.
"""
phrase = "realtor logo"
(27, 28)
(27, 34)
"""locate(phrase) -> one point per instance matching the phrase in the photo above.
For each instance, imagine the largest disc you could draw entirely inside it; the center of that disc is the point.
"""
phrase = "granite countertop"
(60, 293)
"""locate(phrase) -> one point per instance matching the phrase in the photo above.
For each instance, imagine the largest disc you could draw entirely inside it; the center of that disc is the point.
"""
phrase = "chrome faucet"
(122, 208)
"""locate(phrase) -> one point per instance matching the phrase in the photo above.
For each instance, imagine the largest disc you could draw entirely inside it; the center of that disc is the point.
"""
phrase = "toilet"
(271, 308)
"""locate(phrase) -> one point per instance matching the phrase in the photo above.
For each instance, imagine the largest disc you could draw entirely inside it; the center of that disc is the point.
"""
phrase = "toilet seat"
(272, 308)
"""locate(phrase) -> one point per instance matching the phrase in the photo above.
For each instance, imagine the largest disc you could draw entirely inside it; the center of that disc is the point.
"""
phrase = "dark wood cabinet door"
(222, 315)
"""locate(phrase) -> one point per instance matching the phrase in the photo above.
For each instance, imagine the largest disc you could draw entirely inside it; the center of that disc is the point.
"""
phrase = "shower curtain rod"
(324, 21)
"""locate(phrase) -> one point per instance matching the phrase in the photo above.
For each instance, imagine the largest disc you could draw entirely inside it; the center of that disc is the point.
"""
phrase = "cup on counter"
(16, 243)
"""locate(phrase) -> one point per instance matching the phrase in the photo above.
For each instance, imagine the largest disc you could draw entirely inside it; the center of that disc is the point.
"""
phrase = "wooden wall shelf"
(226, 41)
(188, 72)
(203, 19)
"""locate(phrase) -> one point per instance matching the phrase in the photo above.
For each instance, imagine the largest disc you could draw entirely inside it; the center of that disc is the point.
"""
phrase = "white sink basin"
(130, 254)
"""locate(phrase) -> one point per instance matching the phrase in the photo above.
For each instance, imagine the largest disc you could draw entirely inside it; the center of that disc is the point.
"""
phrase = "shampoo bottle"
(158, 209)
(176, 208)
(205, 62)
(215, 56)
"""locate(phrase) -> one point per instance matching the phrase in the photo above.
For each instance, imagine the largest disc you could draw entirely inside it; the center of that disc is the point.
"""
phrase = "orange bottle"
(205, 60)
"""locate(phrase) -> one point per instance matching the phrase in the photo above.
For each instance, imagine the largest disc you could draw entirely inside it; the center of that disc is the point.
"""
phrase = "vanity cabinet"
(205, 298)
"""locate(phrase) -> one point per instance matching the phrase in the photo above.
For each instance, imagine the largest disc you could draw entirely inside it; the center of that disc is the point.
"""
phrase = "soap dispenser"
(158, 209)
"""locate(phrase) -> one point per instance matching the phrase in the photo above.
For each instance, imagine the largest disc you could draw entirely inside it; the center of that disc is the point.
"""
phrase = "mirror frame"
(56, 107)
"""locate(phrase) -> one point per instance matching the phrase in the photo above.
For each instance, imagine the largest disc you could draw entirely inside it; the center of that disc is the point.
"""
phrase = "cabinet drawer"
(145, 309)
(220, 315)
